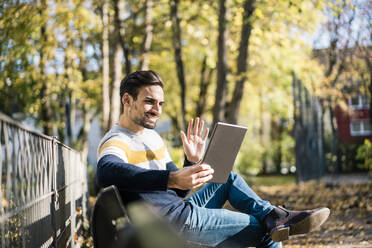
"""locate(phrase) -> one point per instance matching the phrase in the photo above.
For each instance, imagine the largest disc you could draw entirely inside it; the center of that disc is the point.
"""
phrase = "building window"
(358, 102)
(360, 127)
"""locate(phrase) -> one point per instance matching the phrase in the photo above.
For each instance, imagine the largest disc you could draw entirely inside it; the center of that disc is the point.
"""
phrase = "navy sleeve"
(172, 167)
(111, 170)
(187, 162)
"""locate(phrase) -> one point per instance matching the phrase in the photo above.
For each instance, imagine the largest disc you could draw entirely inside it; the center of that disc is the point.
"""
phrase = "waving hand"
(194, 141)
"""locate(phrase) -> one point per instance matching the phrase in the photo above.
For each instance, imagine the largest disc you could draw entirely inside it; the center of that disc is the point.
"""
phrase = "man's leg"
(211, 225)
(280, 223)
(237, 192)
(225, 228)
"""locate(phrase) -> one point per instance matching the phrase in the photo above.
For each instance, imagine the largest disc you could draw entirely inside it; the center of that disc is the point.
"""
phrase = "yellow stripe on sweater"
(136, 157)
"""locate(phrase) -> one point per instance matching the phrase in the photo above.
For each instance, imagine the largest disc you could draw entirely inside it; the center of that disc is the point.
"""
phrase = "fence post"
(54, 201)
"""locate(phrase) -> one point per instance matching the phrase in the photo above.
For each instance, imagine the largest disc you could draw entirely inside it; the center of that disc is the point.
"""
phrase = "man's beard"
(141, 121)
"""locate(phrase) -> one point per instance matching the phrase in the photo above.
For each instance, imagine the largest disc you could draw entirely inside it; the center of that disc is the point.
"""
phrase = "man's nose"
(157, 108)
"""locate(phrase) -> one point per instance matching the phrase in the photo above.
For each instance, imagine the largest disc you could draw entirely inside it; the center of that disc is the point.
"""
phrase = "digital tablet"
(223, 148)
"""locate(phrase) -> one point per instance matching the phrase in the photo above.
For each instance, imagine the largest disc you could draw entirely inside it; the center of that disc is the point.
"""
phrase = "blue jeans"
(210, 224)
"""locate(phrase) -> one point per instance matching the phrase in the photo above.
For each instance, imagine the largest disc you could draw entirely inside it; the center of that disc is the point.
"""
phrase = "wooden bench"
(110, 225)
(138, 226)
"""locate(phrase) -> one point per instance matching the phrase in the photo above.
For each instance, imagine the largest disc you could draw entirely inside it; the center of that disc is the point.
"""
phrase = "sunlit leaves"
(365, 153)
(54, 31)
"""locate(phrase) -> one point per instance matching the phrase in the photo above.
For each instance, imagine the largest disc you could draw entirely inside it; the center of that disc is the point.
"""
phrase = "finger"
(201, 126)
(202, 181)
(205, 173)
(204, 166)
(205, 134)
(189, 127)
(197, 186)
(183, 137)
(196, 126)
(199, 167)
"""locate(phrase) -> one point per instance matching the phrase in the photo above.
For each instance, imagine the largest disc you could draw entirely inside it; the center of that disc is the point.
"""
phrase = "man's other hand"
(190, 177)
(194, 142)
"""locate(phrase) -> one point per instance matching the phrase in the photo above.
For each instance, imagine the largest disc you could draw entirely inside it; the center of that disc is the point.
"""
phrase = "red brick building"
(354, 123)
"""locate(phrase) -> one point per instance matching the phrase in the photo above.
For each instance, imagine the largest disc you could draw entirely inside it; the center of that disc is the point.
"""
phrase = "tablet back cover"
(223, 148)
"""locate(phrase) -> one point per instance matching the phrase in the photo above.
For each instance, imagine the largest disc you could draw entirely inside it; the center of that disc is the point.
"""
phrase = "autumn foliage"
(350, 222)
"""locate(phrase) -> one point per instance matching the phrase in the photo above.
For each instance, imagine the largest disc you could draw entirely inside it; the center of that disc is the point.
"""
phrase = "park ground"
(349, 198)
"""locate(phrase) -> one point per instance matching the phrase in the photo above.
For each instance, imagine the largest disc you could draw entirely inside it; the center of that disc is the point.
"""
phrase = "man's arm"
(111, 170)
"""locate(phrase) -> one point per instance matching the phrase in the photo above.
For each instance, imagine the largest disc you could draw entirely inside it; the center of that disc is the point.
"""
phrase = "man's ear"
(126, 99)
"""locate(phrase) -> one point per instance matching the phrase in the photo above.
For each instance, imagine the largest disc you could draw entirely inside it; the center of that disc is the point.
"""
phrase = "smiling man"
(133, 157)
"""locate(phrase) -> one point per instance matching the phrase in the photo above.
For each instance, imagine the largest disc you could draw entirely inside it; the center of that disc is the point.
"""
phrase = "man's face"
(146, 110)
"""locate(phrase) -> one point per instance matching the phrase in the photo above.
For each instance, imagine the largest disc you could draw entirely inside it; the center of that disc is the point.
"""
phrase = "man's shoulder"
(115, 133)
(151, 135)
(151, 132)
(117, 141)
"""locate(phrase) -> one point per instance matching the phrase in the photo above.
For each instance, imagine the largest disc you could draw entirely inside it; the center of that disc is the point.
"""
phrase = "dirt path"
(356, 178)
(350, 222)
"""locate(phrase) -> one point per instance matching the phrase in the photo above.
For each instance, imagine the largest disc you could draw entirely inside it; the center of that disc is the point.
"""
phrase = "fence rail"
(43, 189)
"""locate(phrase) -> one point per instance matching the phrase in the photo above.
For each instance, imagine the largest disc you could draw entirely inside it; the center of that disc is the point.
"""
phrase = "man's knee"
(233, 176)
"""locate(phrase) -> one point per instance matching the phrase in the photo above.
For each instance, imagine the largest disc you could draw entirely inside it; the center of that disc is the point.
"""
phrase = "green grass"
(270, 180)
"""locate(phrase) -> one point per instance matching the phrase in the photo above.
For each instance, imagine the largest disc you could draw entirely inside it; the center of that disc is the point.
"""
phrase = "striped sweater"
(139, 165)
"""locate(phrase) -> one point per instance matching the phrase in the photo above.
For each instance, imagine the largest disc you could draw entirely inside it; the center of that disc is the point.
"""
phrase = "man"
(134, 158)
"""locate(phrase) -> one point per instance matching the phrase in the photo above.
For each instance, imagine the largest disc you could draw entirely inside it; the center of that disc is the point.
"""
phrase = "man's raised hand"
(194, 141)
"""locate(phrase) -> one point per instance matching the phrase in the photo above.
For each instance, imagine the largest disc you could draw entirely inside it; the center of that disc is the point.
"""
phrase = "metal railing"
(43, 189)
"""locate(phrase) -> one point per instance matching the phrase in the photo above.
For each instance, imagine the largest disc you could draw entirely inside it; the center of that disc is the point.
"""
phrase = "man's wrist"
(172, 179)
(191, 161)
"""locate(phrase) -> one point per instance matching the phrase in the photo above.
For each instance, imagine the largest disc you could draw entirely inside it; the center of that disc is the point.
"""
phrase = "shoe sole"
(308, 224)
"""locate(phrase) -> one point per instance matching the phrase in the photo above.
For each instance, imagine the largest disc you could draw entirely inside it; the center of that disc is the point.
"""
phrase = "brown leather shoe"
(281, 223)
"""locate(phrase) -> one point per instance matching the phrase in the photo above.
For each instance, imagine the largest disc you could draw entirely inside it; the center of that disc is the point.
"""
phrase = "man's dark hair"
(135, 80)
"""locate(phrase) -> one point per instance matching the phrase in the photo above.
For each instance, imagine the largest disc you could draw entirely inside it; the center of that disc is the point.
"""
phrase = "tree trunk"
(81, 141)
(322, 136)
(262, 136)
(370, 96)
(308, 133)
(368, 60)
(46, 112)
(118, 58)
(335, 144)
(234, 106)
(277, 129)
(299, 129)
(67, 106)
(221, 89)
(337, 165)
(119, 9)
(82, 138)
(67, 92)
(105, 68)
(205, 79)
(144, 60)
(126, 48)
(177, 44)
